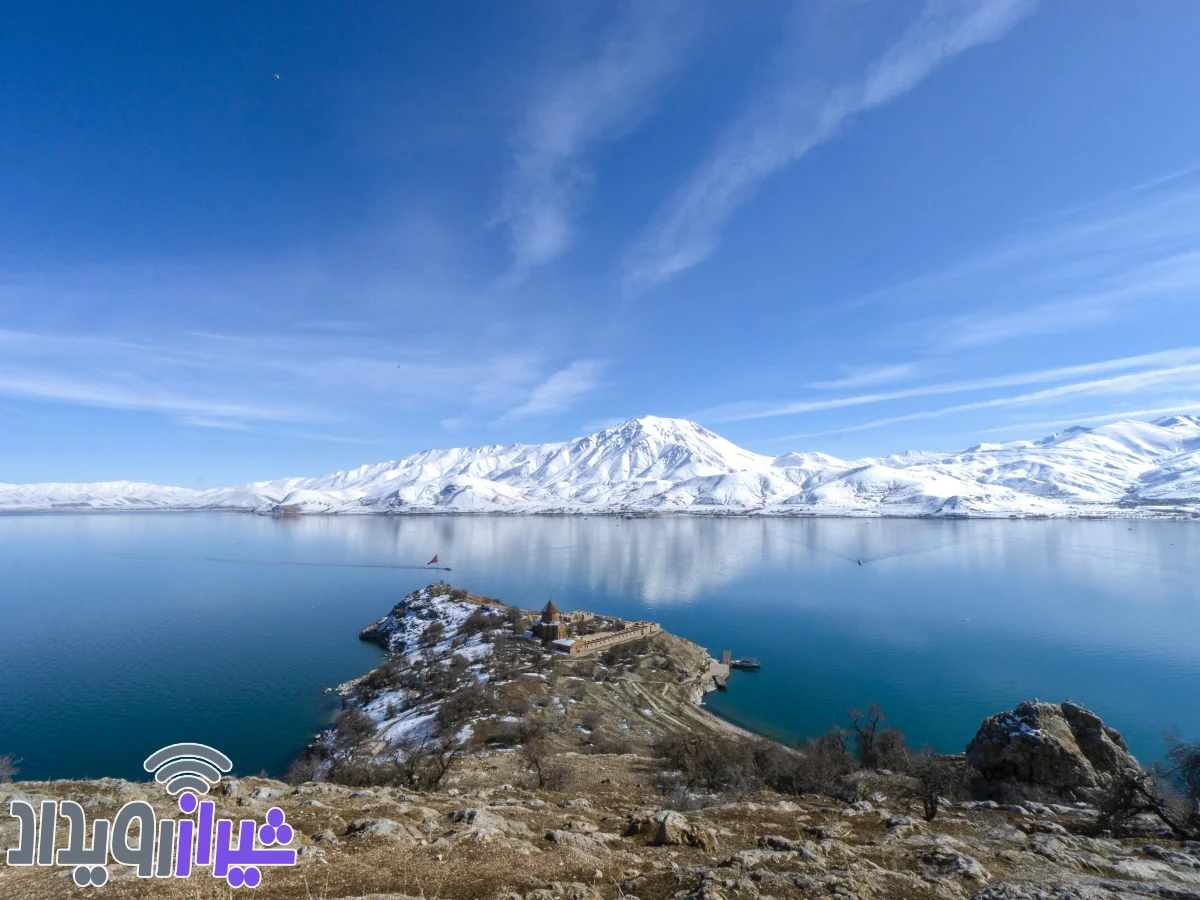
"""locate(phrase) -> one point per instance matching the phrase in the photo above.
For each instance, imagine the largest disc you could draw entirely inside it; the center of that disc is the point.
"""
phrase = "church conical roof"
(550, 613)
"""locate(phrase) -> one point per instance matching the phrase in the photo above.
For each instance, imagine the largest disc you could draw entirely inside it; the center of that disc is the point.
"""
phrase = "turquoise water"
(120, 633)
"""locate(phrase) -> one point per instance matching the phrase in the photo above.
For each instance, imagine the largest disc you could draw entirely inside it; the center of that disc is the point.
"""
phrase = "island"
(517, 754)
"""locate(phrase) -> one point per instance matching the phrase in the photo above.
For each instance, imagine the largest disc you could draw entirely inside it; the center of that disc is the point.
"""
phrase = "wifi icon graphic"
(187, 767)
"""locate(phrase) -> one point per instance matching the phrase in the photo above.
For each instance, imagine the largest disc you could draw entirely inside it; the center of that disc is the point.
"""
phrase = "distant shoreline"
(1175, 514)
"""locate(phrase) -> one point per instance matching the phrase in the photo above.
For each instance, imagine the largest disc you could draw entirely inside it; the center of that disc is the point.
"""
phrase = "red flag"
(432, 561)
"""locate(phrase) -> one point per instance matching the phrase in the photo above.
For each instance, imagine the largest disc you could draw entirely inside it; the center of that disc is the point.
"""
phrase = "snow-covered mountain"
(654, 465)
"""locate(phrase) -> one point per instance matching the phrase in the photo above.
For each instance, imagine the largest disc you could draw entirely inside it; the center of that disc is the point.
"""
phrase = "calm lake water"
(120, 633)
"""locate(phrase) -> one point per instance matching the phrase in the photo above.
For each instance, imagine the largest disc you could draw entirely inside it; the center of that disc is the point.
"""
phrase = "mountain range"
(654, 465)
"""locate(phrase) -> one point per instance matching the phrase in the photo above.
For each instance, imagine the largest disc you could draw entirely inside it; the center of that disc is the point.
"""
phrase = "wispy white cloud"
(142, 397)
(307, 435)
(1176, 377)
(749, 410)
(277, 381)
(1080, 268)
(1025, 429)
(208, 422)
(573, 112)
(804, 110)
(867, 378)
(560, 390)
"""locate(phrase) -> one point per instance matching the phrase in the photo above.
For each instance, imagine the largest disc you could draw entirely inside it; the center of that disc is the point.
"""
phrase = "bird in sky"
(276, 76)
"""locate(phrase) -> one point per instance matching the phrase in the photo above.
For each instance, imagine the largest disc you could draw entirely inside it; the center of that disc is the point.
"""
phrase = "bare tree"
(408, 758)
(354, 729)
(891, 750)
(536, 751)
(448, 750)
(937, 777)
(536, 754)
(1127, 795)
(433, 633)
(305, 767)
(1170, 791)
(1183, 769)
(865, 726)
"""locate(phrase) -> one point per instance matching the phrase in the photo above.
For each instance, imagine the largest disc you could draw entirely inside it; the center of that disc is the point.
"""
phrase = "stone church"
(550, 627)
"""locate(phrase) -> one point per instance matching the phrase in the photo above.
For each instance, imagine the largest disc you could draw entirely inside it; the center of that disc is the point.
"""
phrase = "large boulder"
(1056, 746)
(667, 827)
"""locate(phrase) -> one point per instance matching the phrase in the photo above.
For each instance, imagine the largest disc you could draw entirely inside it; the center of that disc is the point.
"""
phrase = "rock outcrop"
(1052, 746)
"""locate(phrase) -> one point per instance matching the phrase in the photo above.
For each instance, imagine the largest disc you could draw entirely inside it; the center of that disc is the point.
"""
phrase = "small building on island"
(550, 626)
(579, 633)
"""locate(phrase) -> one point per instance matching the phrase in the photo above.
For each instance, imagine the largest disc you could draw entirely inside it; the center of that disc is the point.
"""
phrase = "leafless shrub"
(460, 667)
(354, 729)
(1182, 768)
(506, 659)
(433, 633)
(827, 758)
(389, 675)
(8, 768)
(462, 706)
(357, 773)
(1170, 790)
(876, 746)
(407, 758)
(936, 778)
(892, 751)
(480, 621)
(625, 653)
(305, 767)
(513, 705)
(709, 761)
(537, 754)
(516, 620)
(498, 734)
(1128, 795)
(441, 760)
(393, 708)
(616, 745)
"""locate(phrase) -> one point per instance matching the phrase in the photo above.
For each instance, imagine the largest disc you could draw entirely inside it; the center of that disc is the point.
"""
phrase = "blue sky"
(851, 227)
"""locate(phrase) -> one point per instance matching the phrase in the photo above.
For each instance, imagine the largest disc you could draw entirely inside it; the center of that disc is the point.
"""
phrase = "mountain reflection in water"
(943, 623)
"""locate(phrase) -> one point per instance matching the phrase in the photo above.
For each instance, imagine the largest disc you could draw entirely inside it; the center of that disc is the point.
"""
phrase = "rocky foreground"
(547, 777)
(608, 837)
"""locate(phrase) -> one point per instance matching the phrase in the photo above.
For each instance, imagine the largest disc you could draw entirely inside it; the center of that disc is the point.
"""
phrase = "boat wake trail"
(272, 562)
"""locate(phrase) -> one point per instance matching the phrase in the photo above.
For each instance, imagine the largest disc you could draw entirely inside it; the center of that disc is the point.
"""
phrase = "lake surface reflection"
(124, 632)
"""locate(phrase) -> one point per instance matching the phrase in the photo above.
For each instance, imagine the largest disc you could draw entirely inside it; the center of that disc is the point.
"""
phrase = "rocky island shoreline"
(476, 762)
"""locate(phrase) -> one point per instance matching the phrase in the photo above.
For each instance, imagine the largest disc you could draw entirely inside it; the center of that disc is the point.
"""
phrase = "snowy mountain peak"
(654, 464)
(656, 428)
(1178, 422)
(1065, 434)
